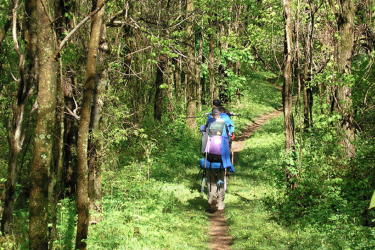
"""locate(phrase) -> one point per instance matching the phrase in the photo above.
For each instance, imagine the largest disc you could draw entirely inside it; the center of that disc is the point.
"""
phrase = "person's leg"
(211, 186)
(220, 190)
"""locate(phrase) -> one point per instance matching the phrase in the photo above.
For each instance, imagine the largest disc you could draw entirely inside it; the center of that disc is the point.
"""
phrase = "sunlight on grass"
(252, 204)
(156, 215)
(249, 221)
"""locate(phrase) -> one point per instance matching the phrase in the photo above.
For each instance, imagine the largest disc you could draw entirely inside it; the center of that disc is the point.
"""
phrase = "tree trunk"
(96, 138)
(345, 25)
(307, 91)
(58, 149)
(288, 88)
(82, 181)
(190, 71)
(38, 230)
(95, 146)
(211, 66)
(70, 137)
(198, 72)
(169, 76)
(177, 79)
(159, 92)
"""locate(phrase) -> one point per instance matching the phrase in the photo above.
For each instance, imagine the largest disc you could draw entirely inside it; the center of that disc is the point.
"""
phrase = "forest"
(102, 101)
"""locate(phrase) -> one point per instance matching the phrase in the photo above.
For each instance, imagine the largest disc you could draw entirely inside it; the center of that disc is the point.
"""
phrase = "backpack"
(212, 141)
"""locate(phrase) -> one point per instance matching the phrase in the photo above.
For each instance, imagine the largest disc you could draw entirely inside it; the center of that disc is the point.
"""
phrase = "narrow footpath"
(219, 237)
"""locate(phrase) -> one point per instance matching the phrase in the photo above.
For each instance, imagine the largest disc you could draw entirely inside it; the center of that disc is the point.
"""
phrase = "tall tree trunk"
(58, 145)
(307, 91)
(70, 137)
(288, 88)
(159, 92)
(211, 66)
(177, 80)
(169, 76)
(90, 78)
(96, 138)
(190, 71)
(38, 230)
(95, 146)
(298, 57)
(69, 172)
(345, 25)
(237, 32)
(58, 150)
(198, 72)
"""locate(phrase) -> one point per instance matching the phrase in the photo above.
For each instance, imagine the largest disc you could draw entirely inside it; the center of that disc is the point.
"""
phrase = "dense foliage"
(156, 59)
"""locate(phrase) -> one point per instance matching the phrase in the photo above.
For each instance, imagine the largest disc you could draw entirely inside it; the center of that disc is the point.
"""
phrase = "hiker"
(216, 104)
(215, 176)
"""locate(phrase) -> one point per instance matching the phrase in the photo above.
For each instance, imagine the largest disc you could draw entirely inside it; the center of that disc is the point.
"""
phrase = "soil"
(219, 236)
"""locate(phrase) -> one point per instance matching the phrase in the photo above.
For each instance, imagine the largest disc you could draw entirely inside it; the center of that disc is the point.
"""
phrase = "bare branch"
(65, 40)
(72, 113)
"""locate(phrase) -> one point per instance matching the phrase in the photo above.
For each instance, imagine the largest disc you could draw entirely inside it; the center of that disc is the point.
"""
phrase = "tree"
(344, 13)
(91, 74)
(190, 65)
(288, 89)
(96, 137)
(38, 230)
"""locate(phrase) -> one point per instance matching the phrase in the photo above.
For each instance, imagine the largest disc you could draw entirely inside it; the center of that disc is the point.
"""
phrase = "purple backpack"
(213, 141)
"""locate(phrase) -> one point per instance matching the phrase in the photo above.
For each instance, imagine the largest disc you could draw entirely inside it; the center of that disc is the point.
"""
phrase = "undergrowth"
(328, 210)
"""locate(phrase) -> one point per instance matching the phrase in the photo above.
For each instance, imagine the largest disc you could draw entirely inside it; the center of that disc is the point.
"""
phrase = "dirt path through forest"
(219, 237)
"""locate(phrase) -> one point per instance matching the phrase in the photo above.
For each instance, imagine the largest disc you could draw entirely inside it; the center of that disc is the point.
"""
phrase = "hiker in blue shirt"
(215, 177)
(228, 121)
(216, 104)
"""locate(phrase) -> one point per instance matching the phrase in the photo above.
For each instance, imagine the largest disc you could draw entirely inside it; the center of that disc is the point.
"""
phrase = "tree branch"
(65, 40)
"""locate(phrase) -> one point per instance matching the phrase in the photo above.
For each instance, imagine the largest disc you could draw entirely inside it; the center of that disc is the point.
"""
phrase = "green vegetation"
(319, 214)
(155, 202)
(118, 143)
(152, 200)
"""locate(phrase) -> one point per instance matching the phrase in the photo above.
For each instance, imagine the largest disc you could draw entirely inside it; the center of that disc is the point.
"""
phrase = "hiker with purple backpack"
(215, 148)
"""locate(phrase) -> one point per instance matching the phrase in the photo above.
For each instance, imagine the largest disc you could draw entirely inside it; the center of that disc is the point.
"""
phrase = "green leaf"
(372, 203)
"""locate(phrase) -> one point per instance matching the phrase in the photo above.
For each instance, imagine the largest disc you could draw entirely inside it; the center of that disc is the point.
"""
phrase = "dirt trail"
(219, 237)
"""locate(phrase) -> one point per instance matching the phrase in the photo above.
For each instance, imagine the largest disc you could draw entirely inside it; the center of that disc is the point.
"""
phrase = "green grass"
(262, 214)
(260, 97)
(166, 211)
(156, 203)
(251, 224)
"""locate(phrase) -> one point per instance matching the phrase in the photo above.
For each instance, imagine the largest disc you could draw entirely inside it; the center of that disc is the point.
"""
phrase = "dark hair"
(217, 103)
(222, 110)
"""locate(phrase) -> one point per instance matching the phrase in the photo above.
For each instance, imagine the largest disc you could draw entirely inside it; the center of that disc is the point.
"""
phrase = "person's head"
(222, 110)
(216, 103)
(215, 113)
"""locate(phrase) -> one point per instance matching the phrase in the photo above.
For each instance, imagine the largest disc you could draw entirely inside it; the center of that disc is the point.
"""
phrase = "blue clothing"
(226, 119)
(224, 149)
(225, 153)
(214, 165)
(228, 122)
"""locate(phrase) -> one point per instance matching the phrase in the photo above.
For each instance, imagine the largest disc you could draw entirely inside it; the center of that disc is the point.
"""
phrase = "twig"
(14, 26)
(65, 40)
(137, 51)
(72, 113)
